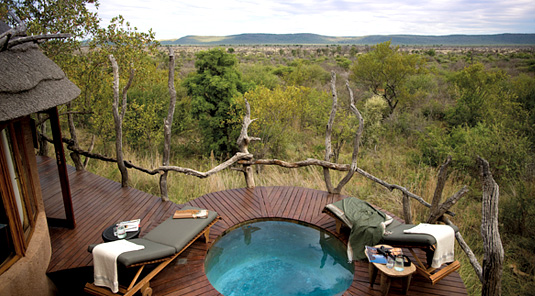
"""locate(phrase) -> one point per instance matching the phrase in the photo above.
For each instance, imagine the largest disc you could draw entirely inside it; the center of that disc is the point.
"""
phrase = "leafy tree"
(484, 96)
(51, 17)
(384, 71)
(214, 90)
(283, 113)
(303, 72)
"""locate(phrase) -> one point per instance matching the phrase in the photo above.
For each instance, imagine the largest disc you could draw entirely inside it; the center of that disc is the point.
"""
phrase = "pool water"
(278, 258)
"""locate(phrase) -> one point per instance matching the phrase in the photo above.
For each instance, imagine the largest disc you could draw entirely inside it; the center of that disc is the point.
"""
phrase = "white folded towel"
(105, 262)
(445, 237)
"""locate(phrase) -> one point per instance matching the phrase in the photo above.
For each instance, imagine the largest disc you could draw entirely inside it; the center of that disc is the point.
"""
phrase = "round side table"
(107, 234)
(388, 273)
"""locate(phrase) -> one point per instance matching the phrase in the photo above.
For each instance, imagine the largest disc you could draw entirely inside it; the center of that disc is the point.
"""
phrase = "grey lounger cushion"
(152, 251)
(177, 233)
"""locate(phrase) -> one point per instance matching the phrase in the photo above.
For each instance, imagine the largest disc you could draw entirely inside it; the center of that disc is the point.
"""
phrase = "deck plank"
(99, 202)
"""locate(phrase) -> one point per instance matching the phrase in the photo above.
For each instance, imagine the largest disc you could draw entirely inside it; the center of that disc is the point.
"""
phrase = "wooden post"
(167, 124)
(62, 167)
(243, 143)
(119, 117)
(328, 133)
(407, 214)
(492, 244)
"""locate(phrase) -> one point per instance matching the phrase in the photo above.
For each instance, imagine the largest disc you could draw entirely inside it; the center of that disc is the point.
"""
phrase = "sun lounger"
(395, 236)
(161, 245)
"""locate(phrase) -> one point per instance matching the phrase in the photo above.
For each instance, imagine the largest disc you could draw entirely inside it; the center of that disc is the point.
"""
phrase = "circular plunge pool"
(277, 257)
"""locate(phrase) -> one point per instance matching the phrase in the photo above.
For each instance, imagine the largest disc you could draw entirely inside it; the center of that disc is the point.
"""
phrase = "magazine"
(375, 256)
(131, 226)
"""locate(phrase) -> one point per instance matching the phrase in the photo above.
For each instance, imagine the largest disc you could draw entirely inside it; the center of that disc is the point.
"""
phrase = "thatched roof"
(30, 82)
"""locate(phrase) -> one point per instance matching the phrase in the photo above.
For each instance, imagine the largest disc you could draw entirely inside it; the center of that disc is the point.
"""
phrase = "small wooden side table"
(388, 273)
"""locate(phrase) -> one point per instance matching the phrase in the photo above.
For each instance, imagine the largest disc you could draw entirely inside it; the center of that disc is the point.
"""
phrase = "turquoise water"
(278, 258)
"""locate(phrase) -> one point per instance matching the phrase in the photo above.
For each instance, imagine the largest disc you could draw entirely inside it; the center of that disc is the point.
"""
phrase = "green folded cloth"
(366, 225)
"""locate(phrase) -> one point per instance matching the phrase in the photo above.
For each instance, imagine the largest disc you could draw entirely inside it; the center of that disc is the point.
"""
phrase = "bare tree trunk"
(492, 244)
(72, 129)
(328, 134)
(243, 144)
(119, 118)
(43, 143)
(167, 124)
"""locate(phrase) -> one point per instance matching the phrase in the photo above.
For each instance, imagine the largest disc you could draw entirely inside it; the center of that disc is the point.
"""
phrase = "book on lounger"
(184, 214)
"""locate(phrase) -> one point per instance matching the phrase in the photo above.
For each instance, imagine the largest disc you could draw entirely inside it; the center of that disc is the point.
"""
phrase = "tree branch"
(441, 182)
(356, 142)
(328, 134)
(464, 246)
(443, 208)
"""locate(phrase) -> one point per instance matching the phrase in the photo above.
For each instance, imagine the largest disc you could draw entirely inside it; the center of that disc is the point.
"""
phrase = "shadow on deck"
(99, 203)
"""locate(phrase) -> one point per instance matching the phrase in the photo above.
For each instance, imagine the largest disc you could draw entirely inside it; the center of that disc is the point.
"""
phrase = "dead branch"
(339, 167)
(464, 246)
(19, 30)
(441, 182)
(35, 38)
(444, 207)
(328, 134)
(190, 172)
(118, 118)
(356, 142)
(243, 144)
(168, 123)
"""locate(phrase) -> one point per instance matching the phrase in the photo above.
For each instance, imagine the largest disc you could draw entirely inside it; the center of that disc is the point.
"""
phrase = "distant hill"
(305, 38)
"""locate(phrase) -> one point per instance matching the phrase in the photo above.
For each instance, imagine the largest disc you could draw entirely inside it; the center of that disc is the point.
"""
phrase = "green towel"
(367, 229)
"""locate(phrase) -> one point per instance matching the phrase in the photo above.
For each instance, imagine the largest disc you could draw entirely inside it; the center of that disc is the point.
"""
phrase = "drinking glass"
(398, 265)
(121, 231)
(389, 262)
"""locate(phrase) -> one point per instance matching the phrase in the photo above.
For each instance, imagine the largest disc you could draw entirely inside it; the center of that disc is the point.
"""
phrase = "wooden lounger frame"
(144, 284)
(432, 274)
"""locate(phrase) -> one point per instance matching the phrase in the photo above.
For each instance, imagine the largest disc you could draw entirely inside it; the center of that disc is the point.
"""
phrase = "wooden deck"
(99, 202)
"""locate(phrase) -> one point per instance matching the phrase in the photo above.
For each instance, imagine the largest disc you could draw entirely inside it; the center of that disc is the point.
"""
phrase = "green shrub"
(507, 152)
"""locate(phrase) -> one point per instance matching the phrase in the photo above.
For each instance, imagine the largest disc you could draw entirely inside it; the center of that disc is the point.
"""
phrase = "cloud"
(174, 19)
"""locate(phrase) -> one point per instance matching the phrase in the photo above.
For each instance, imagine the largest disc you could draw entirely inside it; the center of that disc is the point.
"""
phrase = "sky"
(172, 19)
